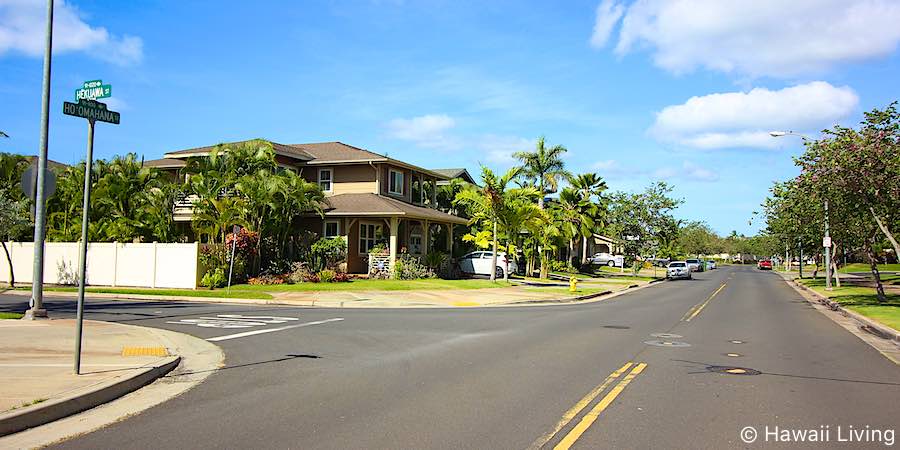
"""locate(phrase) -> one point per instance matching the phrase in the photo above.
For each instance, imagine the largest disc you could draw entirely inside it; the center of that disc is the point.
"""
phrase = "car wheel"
(611, 263)
(499, 273)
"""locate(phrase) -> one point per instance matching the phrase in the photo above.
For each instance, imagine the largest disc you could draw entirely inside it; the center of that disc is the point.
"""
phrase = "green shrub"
(326, 276)
(408, 267)
(213, 279)
(328, 253)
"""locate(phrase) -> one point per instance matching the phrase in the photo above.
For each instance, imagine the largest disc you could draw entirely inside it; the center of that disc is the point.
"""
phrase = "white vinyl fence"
(150, 265)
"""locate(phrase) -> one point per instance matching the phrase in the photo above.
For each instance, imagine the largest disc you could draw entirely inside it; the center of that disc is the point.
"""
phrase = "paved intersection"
(646, 369)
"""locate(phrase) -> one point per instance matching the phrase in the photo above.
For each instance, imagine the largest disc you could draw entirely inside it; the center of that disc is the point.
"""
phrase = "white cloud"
(744, 119)
(608, 14)
(752, 38)
(686, 172)
(429, 131)
(23, 23)
(499, 149)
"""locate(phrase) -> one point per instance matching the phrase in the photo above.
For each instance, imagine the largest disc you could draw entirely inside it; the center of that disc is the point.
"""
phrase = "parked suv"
(695, 265)
(479, 263)
(678, 269)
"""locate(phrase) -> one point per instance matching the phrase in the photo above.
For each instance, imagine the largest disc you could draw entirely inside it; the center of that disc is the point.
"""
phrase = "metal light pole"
(37, 278)
(82, 269)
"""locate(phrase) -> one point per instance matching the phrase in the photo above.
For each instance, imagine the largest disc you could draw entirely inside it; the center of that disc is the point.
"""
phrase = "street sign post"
(92, 110)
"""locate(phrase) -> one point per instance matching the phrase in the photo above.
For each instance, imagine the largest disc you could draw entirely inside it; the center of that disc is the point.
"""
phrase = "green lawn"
(9, 315)
(863, 301)
(862, 267)
(218, 293)
(374, 285)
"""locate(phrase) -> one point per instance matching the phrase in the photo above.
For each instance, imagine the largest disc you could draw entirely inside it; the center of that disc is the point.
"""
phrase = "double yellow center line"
(591, 416)
(699, 306)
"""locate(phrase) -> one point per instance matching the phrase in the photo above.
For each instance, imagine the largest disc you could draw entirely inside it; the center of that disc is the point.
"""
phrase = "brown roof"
(280, 149)
(51, 164)
(328, 152)
(166, 163)
(460, 173)
(380, 206)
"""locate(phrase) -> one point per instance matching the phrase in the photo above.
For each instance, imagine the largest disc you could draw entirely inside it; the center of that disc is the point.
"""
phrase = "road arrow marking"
(271, 330)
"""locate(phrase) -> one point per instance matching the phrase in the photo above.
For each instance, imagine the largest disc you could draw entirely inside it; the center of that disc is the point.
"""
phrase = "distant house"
(51, 164)
(603, 244)
(370, 199)
(451, 174)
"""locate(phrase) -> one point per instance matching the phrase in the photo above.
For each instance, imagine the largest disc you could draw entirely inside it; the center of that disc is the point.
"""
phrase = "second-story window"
(395, 185)
(325, 179)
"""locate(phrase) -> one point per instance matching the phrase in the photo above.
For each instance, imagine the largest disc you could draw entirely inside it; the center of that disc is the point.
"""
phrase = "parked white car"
(479, 263)
(678, 269)
(710, 264)
(606, 259)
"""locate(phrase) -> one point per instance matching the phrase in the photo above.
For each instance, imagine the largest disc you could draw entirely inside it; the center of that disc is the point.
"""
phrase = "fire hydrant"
(573, 284)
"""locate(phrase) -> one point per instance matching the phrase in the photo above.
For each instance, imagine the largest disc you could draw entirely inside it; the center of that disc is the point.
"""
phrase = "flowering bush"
(266, 280)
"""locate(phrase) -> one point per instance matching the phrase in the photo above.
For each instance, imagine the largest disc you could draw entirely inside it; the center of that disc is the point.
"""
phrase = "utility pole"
(37, 278)
(826, 244)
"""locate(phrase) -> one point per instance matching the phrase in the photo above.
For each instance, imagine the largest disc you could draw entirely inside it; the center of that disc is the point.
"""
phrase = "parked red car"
(764, 265)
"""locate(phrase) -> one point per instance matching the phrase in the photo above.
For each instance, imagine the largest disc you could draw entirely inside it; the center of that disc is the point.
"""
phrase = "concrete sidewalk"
(37, 383)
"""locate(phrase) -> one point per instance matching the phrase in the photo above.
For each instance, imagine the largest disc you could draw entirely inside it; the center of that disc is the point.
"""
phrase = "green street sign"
(91, 110)
(92, 90)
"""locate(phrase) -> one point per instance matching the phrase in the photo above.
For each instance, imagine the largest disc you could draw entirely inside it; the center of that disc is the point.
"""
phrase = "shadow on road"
(287, 357)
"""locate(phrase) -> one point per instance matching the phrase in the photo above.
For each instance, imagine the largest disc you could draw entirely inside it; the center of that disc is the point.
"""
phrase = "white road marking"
(271, 330)
(233, 321)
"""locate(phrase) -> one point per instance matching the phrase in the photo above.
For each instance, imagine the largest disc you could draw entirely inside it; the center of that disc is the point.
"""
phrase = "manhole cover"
(735, 341)
(733, 355)
(617, 327)
(666, 335)
(662, 343)
(727, 370)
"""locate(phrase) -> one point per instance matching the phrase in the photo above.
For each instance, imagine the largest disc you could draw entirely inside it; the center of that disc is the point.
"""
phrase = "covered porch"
(371, 221)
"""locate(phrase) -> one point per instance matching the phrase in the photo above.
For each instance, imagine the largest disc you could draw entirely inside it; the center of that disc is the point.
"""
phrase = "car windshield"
(693, 260)
(676, 264)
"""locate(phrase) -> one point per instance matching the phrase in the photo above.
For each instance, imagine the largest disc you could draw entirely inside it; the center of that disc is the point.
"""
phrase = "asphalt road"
(508, 377)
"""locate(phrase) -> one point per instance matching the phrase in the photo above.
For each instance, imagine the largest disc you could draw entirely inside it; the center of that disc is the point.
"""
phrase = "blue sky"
(683, 91)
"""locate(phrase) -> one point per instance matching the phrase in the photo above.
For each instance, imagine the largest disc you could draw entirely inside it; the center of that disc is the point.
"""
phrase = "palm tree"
(543, 168)
(591, 186)
(577, 213)
(488, 204)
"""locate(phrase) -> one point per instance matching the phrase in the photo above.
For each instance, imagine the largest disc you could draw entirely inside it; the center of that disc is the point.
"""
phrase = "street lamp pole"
(826, 241)
(37, 278)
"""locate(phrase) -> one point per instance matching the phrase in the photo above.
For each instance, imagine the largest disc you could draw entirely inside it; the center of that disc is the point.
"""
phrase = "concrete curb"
(865, 323)
(36, 415)
(582, 299)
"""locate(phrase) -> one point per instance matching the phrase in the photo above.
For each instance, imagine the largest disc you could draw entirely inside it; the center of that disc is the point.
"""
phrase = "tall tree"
(489, 204)
(543, 168)
(592, 187)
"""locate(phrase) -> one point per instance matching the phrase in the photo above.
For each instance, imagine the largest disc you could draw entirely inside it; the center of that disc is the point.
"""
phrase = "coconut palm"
(591, 186)
(488, 203)
(543, 168)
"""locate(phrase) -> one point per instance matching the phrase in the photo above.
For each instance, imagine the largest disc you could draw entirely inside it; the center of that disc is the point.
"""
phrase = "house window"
(368, 236)
(325, 178)
(415, 240)
(395, 182)
(331, 229)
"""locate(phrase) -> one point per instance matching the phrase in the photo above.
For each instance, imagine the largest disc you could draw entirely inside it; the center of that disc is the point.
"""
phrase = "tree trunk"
(494, 256)
(816, 270)
(12, 275)
(873, 264)
(834, 266)
(541, 194)
(584, 250)
(887, 233)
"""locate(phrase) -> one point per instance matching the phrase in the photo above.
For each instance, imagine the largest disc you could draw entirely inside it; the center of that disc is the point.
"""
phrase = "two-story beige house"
(370, 198)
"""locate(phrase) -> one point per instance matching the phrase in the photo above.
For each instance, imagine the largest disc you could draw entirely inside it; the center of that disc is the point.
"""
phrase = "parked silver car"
(479, 263)
(710, 264)
(606, 259)
(678, 269)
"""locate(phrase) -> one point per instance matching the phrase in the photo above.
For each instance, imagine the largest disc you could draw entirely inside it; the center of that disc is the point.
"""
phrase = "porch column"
(450, 239)
(395, 226)
(434, 189)
(426, 239)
